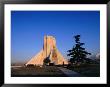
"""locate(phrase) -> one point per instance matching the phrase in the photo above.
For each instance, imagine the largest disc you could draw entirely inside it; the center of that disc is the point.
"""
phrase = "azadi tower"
(49, 50)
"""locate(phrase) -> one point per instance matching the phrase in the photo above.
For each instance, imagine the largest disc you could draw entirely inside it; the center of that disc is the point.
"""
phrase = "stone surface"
(49, 50)
(70, 73)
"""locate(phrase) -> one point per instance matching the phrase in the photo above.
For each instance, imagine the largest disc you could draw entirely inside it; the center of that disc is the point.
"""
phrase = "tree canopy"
(46, 61)
(78, 53)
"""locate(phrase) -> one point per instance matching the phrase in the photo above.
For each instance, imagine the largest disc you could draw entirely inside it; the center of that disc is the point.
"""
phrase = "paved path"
(70, 73)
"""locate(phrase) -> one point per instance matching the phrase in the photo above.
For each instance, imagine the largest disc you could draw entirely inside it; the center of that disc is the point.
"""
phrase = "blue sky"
(29, 27)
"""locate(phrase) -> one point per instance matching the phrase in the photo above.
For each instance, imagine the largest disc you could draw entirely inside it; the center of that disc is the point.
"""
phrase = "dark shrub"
(46, 61)
(30, 65)
(51, 64)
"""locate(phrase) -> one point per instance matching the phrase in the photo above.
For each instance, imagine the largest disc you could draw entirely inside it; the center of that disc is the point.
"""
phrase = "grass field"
(45, 71)
(88, 70)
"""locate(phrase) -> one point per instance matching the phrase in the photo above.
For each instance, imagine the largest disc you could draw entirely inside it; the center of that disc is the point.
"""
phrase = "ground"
(46, 71)
(88, 70)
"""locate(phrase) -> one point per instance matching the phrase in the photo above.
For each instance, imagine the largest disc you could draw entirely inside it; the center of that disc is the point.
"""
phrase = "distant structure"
(49, 50)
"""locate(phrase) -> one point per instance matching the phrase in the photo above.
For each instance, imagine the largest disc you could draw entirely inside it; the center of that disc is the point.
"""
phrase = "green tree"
(78, 53)
(46, 61)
